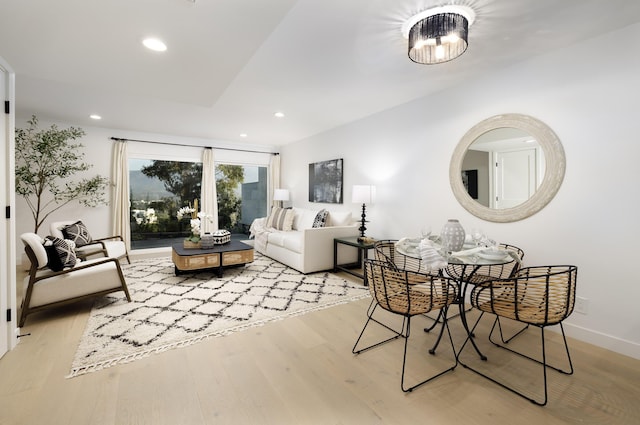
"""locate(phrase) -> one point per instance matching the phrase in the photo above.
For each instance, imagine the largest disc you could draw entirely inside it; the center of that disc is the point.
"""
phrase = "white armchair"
(111, 246)
(46, 288)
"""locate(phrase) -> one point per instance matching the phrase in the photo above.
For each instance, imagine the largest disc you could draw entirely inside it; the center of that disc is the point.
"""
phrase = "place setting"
(453, 245)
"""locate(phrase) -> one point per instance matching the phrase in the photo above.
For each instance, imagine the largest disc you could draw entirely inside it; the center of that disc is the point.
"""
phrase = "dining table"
(470, 259)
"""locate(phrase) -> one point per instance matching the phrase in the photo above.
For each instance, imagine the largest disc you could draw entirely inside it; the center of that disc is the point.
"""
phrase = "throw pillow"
(60, 253)
(321, 219)
(281, 219)
(78, 233)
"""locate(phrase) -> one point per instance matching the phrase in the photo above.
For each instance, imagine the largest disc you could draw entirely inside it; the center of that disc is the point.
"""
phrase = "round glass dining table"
(468, 263)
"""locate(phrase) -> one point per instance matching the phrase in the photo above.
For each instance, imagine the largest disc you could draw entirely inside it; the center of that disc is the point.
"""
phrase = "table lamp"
(281, 195)
(363, 194)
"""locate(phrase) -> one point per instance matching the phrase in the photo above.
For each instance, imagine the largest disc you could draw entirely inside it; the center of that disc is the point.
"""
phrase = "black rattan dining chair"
(385, 250)
(406, 293)
(539, 296)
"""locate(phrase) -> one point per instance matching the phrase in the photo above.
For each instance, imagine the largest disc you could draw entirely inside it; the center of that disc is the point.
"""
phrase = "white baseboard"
(618, 345)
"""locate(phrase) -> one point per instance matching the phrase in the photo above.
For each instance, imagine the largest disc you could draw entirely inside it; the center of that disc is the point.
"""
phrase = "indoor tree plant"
(46, 163)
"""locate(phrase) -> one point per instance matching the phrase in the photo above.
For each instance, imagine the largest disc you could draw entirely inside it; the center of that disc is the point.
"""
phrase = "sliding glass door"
(158, 188)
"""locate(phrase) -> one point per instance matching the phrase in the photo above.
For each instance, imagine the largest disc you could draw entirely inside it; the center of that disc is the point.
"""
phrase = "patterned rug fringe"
(184, 343)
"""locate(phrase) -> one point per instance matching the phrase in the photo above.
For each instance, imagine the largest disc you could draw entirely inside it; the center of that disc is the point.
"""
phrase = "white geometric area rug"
(169, 311)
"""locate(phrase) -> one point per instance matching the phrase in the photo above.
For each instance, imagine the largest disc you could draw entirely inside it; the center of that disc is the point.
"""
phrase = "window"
(158, 188)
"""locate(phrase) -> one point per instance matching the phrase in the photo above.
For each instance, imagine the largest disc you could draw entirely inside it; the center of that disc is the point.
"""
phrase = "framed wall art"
(325, 181)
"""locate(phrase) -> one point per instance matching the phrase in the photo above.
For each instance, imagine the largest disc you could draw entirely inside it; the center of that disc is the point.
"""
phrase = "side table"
(363, 253)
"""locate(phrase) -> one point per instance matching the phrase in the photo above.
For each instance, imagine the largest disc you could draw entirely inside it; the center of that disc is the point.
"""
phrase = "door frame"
(8, 294)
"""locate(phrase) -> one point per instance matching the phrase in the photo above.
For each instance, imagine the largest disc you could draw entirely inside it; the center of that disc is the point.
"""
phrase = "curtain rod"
(119, 139)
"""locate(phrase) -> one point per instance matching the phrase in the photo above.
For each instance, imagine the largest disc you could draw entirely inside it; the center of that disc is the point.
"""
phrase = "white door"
(515, 180)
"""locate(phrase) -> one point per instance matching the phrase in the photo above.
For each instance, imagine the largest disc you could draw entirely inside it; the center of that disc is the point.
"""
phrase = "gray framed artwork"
(325, 181)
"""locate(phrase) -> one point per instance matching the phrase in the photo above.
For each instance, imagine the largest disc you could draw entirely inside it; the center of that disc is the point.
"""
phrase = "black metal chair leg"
(370, 318)
(404, 359)
(444, 323)
(506, 341)
(556, 368)
(435, 321)
(543, 363)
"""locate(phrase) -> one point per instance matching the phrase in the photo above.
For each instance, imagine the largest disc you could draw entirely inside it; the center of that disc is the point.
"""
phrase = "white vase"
(452, 236)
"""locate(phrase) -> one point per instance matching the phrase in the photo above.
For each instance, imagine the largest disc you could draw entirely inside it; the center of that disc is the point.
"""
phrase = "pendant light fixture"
(439, 34)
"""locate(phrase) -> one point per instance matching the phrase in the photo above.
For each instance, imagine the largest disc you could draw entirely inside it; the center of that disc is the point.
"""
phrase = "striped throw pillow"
(281, 219)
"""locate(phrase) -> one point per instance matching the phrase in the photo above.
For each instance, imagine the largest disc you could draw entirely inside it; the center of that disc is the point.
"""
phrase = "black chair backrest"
(407, 292)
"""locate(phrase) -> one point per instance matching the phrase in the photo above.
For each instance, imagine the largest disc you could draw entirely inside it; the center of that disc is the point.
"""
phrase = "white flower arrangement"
(196, 220)
(185, 210)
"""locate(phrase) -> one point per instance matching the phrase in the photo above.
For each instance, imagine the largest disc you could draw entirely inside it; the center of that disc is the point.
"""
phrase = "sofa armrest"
(318, 246)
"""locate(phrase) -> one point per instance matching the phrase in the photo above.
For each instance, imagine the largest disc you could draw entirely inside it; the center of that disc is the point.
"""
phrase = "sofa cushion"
(340, 218)
(289, 240)
(78, 233)
(60, 253)
(304, 218)
(280, 219)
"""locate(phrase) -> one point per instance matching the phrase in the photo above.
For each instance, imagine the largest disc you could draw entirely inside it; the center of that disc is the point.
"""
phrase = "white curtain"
(120, 193)
(208, 195)
(275, 179)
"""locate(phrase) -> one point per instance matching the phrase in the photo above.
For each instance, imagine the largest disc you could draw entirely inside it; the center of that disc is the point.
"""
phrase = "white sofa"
(305, 248)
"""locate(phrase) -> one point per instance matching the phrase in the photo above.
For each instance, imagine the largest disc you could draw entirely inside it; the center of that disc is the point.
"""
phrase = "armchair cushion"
(78, 233)
(60, 253)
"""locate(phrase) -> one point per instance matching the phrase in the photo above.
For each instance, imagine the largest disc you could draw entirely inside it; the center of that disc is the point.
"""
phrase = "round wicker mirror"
(554, 161)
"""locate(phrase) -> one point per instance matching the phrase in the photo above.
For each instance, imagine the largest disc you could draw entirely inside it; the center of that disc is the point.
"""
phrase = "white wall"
(98, 152)
(588, 95)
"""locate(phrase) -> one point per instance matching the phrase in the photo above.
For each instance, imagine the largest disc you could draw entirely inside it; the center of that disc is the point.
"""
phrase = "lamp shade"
(281, 195)
(363, 194)
(439, 34)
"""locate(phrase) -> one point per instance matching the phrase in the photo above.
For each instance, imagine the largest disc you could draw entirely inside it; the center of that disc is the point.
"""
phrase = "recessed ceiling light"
(154, 44)
(279, 114)
(95, 117)
(243, 134)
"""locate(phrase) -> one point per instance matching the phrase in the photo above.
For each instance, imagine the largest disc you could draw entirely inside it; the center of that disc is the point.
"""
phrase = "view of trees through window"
(159, 188)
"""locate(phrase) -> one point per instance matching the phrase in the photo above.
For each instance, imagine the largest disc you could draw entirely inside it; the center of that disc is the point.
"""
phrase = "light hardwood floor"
(301, 371)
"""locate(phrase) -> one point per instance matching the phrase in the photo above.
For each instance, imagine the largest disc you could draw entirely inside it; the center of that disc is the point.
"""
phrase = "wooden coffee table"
(230, 254)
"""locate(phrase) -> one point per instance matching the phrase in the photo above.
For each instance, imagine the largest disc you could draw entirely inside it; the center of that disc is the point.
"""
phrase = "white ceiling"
(231, 64)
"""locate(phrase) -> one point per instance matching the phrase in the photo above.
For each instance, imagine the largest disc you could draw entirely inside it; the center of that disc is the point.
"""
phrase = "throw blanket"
(430, 256)
(260, 233)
